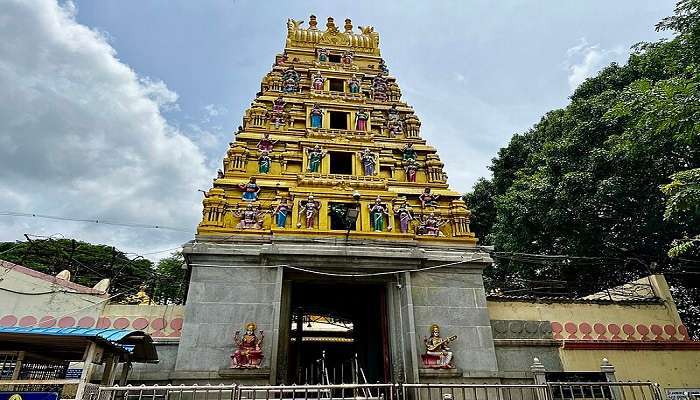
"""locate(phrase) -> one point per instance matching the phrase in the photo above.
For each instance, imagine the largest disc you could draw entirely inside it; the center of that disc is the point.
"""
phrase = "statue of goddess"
(369, 161)
(264, 162)
(361, 120)
(411, 168)
(316, 116)
(430, 225)
(322, 55)
(377, 212)
(317, 81)
(290, 80)
(277, 117)
(437, 354)
(249, 348)
(408, 152)
(427, 198)
(281, 212)
(354, 84)
(250, 217)
(348, 56)
(266, 144)
(315, 156)
(250, 190)
(393, 121)
(405, 216)
(309, 208)
(379, 87)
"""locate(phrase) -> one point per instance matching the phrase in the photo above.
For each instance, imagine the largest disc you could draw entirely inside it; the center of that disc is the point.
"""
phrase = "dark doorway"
(335, 324)
(336, 85)
(339, 120)
(334, 58)
(341, 162)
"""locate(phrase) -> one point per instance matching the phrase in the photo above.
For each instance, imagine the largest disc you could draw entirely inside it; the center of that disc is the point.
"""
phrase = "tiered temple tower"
(329, 122)
(330, 206)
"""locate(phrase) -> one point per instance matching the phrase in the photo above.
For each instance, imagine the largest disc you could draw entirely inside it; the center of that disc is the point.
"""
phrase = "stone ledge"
(244, 373)
(526, 342)
(440, 373)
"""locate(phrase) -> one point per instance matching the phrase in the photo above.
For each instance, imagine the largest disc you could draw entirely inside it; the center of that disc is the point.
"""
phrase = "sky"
(118, 111)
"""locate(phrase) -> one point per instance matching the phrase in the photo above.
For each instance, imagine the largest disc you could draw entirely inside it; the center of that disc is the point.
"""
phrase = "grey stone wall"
(455, 300)
(220, 301)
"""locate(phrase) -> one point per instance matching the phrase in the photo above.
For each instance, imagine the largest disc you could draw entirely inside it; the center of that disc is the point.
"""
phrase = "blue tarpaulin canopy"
(70, 343)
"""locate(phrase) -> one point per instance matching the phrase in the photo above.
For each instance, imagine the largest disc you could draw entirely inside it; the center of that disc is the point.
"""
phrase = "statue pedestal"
(245, 373)
(440, 373)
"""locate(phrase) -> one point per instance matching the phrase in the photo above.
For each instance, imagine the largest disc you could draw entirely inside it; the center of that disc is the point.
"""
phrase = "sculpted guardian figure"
(309, 208)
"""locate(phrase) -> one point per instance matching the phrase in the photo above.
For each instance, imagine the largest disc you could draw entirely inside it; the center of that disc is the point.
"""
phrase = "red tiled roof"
(71, 286)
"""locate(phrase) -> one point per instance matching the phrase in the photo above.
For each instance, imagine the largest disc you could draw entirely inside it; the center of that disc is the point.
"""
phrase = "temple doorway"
(337, 333)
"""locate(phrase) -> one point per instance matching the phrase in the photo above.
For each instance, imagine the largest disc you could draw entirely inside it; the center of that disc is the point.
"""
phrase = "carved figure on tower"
(354, 84)
(408, 152)
(251, 217)
(315, 156)
(405, 216)
(369, 161)
(248, 353)
(278, 116)
(317, 81)
(309, 209)
(322, 54)
(281, 212)
(383, 67)
(250, 190)
(264, 162)
(348, 56)
(378, 214)
(266, 144)
(393, 121)
(290, 80)
(380, 87)
(427, 198)
(361, 119)
(411, 169)
(219, 173)
(316, 116)
(430, 225)
(313, 22)
(437, 353)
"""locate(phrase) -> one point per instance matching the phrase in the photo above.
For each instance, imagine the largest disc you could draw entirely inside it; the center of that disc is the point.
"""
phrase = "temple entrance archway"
(337, 333)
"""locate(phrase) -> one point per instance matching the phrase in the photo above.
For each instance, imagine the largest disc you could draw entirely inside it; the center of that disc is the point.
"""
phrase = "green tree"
(171, 279)
(683, 206)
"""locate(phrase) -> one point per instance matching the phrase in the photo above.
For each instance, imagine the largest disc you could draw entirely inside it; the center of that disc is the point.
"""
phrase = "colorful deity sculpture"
(437, 354)
(264, 162)
(281, 212)
(348, 57)
(219, 173)
(361, 120)
(408, 152)
(317, 81)
(251, 217)
(290, 80)
(411, 167)
(383, 67)
(250, 190)
(248, 353)
(380, 88)
(315, 156)
(405, 216)
(393, 121)
(369, 161)
(354, 84)
(266, 144)
(378, 214)
(280, 60)
(277, 116)
(316, 116)
(322, 55)
(430, 225)
(427, 198)
(309, 209)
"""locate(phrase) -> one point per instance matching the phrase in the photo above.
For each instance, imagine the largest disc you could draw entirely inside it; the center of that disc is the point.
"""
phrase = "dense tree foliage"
(585, 181)
(89, 263)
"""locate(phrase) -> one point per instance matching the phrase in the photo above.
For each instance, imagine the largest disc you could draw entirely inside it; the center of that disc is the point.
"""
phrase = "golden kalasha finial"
(312, 22)
(348, 25)
(330, 25)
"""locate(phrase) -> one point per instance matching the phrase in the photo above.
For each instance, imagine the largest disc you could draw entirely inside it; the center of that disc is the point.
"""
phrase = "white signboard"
(683, 394)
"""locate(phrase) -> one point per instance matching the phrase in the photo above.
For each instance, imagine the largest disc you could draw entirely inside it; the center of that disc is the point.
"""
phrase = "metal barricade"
(604, 391)
(168, 392)
(454, 391)
(302, 392)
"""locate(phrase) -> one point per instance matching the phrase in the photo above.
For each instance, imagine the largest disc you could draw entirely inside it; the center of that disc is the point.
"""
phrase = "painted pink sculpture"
(248, 353)
(361, 120)
(309, 208)
(437, 354)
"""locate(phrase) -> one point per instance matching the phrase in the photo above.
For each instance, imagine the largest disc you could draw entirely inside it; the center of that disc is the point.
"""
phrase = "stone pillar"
(538, 372)
(609, 371)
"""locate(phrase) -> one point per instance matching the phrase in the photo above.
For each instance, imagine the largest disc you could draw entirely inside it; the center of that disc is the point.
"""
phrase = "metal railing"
(389, 391)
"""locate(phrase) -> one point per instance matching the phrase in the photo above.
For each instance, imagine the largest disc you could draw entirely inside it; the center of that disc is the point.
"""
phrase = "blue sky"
(129, 105)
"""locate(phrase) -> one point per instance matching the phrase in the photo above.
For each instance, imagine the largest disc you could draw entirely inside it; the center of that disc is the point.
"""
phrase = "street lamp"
(352, 213)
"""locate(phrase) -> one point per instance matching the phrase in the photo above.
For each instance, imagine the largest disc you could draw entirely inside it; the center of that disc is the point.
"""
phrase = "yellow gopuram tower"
(328, 147)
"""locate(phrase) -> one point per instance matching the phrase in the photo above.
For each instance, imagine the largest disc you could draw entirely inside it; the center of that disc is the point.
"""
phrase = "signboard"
(677, 394)
(28, 396)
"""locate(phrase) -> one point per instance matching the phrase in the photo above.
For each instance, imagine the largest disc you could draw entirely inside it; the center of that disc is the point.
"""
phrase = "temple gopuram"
(331, 206)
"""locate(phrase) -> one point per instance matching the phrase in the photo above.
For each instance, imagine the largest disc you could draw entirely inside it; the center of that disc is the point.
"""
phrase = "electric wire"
(95, 220)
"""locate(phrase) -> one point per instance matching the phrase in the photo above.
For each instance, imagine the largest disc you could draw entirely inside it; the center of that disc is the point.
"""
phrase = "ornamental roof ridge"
(366, 41)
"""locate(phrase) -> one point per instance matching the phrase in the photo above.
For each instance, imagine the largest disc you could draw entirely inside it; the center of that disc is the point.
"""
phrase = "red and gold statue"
(437, 354)
(249, 348)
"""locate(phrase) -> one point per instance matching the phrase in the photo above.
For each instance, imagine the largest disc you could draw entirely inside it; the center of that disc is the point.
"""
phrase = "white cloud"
(584, 60)
(214, 111)
(82, 135)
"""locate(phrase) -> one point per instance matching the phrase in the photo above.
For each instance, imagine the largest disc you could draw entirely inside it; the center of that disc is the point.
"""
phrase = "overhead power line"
(94, 221)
